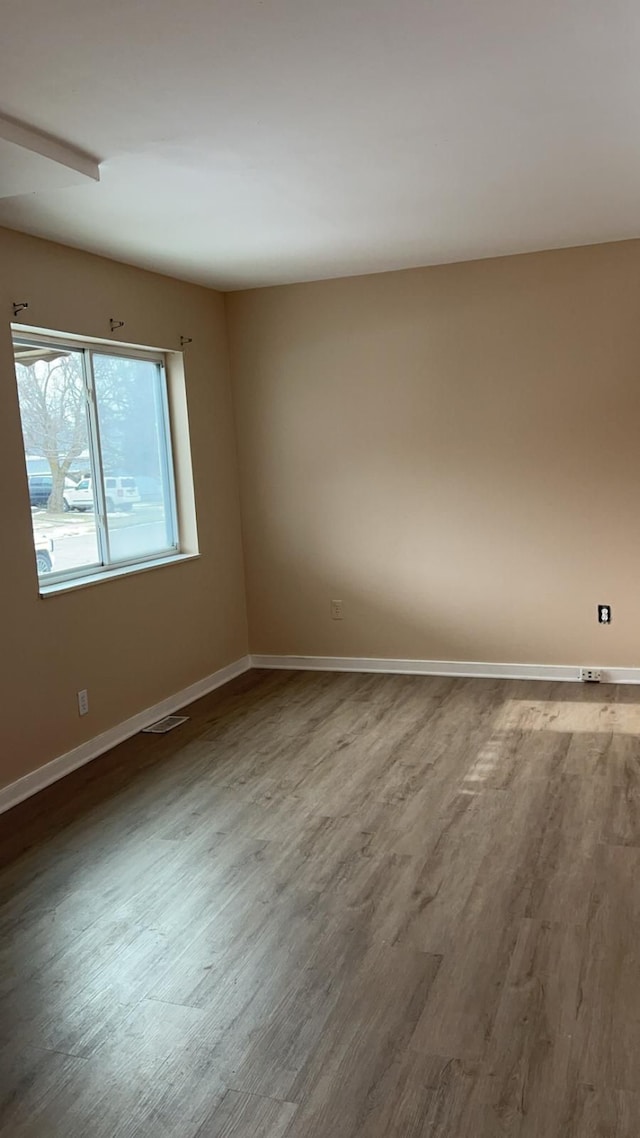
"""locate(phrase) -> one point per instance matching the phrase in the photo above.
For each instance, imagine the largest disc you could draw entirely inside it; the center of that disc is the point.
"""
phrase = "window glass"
(132, 420)
(55, 429)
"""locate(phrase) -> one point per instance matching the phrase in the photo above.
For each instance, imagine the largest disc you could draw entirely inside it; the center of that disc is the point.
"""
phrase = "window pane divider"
(95, 455)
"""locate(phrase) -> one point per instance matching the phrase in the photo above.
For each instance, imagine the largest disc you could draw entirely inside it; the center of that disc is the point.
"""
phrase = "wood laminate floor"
(333, 906)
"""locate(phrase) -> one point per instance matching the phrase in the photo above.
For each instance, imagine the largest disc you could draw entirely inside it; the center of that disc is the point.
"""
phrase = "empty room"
(320, 564)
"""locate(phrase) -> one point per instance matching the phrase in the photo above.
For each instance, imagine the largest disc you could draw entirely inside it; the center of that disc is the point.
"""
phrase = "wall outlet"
(336, 610)
(83, 702)
(591, 675)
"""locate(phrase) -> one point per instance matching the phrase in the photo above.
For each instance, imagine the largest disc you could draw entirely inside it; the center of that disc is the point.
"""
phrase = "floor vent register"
(164, 725)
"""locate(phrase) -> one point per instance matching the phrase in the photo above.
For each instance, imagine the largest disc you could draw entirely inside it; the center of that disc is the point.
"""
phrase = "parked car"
(40, 487)
(120, 494)
(44, 553)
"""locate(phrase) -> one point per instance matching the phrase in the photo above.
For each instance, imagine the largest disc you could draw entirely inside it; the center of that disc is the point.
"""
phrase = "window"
(97, 446)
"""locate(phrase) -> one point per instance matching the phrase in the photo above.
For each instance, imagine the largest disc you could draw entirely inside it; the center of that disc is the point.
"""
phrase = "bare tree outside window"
(54, 413)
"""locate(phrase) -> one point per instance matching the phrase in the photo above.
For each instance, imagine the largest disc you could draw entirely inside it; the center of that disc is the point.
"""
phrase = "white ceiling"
(250, 142)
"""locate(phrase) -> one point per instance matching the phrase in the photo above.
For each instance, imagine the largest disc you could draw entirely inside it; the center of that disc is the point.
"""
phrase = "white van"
(120, 494)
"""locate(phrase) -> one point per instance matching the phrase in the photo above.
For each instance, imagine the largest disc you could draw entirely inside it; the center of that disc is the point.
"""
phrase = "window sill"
(70, 584)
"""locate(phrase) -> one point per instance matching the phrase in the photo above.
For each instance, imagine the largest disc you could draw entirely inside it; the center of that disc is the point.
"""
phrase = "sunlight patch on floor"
(487, 762)
(569, 716)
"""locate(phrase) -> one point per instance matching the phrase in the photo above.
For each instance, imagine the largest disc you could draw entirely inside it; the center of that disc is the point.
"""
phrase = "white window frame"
(105, 568)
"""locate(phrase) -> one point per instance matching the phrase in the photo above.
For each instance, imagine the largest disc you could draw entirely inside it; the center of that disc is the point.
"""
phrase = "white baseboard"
(37, 780)
(565, 672)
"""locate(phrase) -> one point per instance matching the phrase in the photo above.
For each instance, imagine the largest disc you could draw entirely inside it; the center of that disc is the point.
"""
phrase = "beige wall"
(133, 641)
(453, 451)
